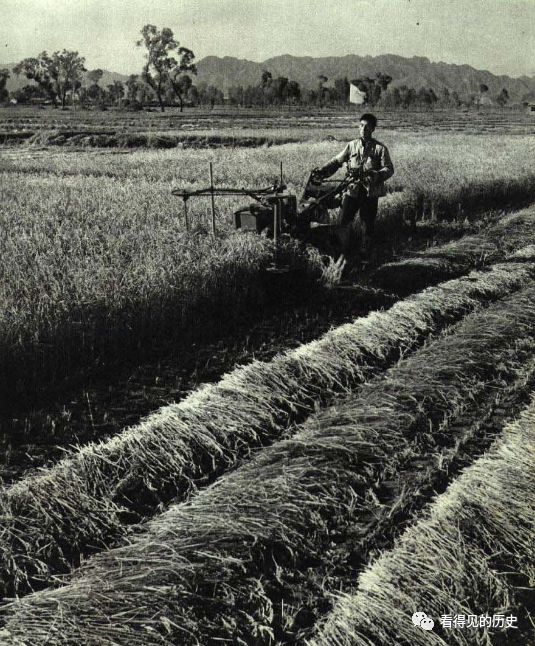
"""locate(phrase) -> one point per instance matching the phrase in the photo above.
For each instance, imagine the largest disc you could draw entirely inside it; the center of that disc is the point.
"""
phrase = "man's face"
(365, 130)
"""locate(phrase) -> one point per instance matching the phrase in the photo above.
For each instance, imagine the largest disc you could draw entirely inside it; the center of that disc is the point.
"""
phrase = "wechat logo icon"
(423, 621)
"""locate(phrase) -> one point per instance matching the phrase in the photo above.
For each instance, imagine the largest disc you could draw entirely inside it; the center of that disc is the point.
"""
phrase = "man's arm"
(334, 164)
(387, 167)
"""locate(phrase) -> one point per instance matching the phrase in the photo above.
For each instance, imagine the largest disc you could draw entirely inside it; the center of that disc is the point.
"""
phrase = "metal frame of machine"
(275, 212)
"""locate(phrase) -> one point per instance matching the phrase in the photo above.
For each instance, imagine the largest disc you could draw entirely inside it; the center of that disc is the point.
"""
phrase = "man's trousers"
(366, 207)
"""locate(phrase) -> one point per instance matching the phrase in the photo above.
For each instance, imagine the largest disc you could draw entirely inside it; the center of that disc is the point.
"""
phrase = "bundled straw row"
(456, 258)
(89, 497)
(237, 562)
(466, 558)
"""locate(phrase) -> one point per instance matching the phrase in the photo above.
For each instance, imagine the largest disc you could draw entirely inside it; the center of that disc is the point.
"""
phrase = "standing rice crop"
(100, 275)
(94, 262)
(472, 555)
(88, 499)
(232, 564)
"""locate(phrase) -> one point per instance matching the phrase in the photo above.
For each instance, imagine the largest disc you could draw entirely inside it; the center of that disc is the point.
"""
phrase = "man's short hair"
(370, 118)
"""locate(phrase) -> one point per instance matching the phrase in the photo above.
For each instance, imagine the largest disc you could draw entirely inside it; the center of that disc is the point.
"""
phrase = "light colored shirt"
(372, 155)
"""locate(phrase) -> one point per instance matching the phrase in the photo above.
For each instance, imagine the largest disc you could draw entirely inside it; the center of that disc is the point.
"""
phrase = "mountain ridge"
(415, 71)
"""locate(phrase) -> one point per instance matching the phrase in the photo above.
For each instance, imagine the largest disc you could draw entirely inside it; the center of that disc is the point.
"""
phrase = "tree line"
(166, 80)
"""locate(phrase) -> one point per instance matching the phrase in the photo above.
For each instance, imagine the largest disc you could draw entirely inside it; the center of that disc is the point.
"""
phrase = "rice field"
(469, 552)
(96, 262)
(321, 496)
(238, 560)
(109, 484)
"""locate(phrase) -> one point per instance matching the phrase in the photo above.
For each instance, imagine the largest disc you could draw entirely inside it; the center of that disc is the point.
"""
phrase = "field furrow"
(226, 565)
(88, 499)
(470, 556)
(35, 436)
(32, 438)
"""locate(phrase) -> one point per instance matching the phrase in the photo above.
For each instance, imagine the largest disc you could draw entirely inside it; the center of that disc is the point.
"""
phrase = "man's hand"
(317, 174)
(373, 175)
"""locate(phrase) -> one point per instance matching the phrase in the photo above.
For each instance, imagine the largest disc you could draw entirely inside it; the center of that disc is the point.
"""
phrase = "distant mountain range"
(414, 72)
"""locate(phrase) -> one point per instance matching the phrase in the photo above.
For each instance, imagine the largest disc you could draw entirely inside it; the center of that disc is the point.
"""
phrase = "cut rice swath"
(505, 238)
(471, 555)
(88, 499)
(228, 564)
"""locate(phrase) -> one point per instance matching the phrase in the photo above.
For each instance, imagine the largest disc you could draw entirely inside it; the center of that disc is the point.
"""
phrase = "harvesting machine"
(275, 212)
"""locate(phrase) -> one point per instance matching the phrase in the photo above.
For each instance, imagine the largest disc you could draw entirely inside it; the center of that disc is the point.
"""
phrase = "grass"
(88, 499)
(95, 263)
(306, 120)
(471, 554)
(225, 566)
(106, 139)
(90, 278)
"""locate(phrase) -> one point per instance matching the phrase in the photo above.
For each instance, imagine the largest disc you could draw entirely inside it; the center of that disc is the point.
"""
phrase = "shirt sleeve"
(334, 164)
(387, 167)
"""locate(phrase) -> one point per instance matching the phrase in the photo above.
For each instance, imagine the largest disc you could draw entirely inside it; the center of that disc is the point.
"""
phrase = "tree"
(4, 75)
(426, 97)
(146, 94)
(322, 79)
(56, 74)
(68, 68)
(28, 92)
(159, 45)
(294, 92)
(253, 95)
(180, 80)
(138, 93)
(162, 68)
(94, 92)
(236, 95)
(502, 98)
(312, 96)
(181, 85)
(383, 81)
(277, 91)
(373, 87)
(391, 98)
(266, 78)
(481, 98)
(94, 76)
(341, 87)
(132, 88)
(193, 95)
(40, 70)
(455, 99)
(209, 94)
(116, 92)
(407, 96)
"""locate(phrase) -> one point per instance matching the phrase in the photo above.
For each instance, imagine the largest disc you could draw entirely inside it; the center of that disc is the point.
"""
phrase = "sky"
(496, 35)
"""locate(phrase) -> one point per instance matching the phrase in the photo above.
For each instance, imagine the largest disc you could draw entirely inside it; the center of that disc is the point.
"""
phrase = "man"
(369, 161)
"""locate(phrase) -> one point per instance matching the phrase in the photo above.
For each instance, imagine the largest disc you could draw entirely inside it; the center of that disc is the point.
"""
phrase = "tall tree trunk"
(160, 101)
